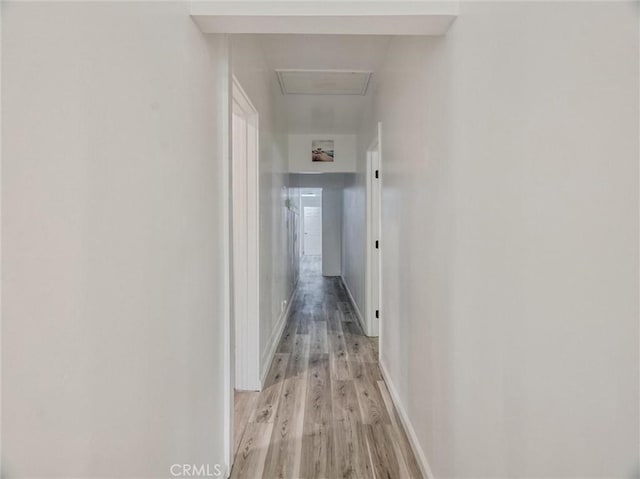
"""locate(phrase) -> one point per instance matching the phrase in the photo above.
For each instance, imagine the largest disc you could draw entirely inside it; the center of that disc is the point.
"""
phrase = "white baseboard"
(404, 418)
(276, 334)
(355, 306)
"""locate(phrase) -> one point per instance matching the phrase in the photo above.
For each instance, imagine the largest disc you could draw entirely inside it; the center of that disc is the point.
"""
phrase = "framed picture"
(322, 150)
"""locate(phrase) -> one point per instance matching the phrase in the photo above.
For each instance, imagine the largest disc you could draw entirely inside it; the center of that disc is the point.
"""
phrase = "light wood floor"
(325, 411)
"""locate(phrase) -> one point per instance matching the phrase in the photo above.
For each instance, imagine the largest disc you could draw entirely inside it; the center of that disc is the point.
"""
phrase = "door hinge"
(377, 314)
(377, 173)
(377, 244)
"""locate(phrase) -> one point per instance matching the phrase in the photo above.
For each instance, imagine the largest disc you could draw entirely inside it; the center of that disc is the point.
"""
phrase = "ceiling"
(325, 113)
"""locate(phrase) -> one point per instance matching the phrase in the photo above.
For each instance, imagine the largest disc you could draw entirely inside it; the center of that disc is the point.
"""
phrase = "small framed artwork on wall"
(322, 150)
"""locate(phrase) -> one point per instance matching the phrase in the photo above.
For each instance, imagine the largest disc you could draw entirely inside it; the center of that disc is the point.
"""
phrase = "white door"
(312, 230)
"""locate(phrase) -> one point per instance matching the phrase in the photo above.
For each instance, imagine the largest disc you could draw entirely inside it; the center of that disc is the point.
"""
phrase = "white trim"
(373, 290)
(418, 452)
(246, 245)
(242, 98)
(355, 305)
(380, 17)
(2, 257)
(381, 249)
(227, 291)
(313, 8)
(276, 335)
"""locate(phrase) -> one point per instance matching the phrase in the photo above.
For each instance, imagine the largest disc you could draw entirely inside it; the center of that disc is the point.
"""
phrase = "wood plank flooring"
(325, 411)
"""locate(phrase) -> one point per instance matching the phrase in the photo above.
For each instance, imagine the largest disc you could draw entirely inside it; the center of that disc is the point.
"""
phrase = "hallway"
(325, 410)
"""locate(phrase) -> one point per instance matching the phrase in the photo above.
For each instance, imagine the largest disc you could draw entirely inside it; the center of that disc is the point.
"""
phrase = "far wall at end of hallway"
(331, 185)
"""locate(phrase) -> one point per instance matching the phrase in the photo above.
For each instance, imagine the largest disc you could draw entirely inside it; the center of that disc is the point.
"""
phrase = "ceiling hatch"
(323, 82)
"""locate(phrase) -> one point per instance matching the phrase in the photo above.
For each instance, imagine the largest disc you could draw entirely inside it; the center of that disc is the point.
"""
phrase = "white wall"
(311, 200)
(300, 154)
(354, 237)
(510, 239)
(112, 313)
(260, 84)
(331, 185)
(354, 222)
(332, 231)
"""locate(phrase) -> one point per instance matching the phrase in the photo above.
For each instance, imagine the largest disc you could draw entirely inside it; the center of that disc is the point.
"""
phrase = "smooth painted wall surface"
(354, 237)
(112, 335)
(331, 185)
(300, 154)
(331, 231)
(510, 239)
(310, 200)
(354, 222)
(261, 85)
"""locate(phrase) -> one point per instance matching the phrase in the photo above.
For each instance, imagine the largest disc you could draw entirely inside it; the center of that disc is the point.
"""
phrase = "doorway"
(311, 207)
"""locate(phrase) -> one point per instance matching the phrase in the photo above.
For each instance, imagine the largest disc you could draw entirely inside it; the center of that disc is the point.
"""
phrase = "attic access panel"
(323, 82)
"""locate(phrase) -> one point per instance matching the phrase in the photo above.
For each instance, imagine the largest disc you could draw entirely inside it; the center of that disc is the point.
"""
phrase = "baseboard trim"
(355, 306)
(276, 335)
(404, 418)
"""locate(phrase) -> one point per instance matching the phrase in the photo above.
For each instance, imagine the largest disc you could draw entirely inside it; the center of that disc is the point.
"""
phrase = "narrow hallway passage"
(325, 410)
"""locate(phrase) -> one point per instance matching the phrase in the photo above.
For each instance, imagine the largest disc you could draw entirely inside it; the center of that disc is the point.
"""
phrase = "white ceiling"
(325, 113)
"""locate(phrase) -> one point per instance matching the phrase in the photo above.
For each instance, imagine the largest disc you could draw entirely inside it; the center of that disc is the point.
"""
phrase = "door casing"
(245, 238)
(373, 280)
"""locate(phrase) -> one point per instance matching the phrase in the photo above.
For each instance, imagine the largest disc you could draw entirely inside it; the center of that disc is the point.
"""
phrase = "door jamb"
(304, 239)
(373, 290)
(226, 140)
(246, 246)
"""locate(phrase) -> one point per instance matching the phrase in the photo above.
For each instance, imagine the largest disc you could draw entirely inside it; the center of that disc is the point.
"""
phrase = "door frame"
(245, 236)
(304, 225)
(373, 281)
(224, 83)
(320, 190)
